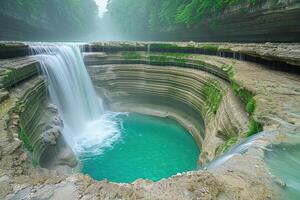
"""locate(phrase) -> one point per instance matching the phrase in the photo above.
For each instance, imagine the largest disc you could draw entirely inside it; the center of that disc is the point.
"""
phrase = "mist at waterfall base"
(86, 126)
(150, 148)
(120, 147)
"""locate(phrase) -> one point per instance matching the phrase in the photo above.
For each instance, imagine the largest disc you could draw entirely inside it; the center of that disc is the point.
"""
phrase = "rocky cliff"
(222, 93)
(205, 20)
(266, 20)
(195, 98)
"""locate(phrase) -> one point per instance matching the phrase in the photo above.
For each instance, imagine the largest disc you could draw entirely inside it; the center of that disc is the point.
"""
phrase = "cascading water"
(90, 131)
(281, 156)
(86, 126)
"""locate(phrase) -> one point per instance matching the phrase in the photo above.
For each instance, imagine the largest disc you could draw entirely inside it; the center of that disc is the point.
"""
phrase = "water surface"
(149, 147)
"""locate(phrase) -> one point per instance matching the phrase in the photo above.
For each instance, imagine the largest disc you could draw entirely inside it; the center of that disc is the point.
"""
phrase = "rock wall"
(182, 79)
(176, 92)
(281, 56)
(241, 21)
(30, 118)
(267, 20)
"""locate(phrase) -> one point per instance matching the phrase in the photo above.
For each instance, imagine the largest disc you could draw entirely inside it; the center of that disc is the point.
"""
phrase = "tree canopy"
(156, 15)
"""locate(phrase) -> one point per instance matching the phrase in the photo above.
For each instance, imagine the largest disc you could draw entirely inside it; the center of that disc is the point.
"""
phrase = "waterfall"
(70, 88)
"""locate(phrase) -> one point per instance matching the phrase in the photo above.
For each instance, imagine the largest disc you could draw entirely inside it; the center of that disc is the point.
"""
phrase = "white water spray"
(86, 126)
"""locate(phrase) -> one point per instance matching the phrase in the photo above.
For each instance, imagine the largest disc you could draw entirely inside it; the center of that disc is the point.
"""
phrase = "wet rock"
(66, 157)
(51, 136)
(277, 96)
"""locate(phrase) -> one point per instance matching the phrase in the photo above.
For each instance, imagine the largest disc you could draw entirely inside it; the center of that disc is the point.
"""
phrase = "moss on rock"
(213, 94)
(25, 139)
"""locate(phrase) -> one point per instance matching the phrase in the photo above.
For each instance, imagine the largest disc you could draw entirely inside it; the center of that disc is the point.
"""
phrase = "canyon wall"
(27, 117)
(267, 20)
(197, 99)
(205, 20)
(222, 93)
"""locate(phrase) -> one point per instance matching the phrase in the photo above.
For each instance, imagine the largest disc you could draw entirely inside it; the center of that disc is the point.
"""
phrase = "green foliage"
(224, 147)
(152, 15)
(158, 60)
(212, 48)
(229, 143)
(162, 46)
(245, 95)
(254, 127)
(131, 55)
(212, 94)
(250, 106)
(26, 142)
(34, 162)
(166, 59)
(176, 55)
(225, 49)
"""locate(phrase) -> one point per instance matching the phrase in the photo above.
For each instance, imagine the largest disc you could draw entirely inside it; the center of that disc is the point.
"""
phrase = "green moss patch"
(245, 95)
(250, 105)
(34, 162)
(163, 60)
(212, 94)
(26, 142)
(224, 147)
(131, 55)
(211, 48)
(225, 49)
(254, 127)
(177, 55)
(164, 46)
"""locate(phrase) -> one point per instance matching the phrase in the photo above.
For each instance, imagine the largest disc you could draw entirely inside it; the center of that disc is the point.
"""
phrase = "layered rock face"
(217, 98)
(242, 21)
(29, 125)
(172, 92)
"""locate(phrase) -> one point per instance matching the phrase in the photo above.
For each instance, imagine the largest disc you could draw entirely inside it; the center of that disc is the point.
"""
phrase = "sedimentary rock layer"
(26, 118)
(270, 54)
(174, 85)
(143, 86)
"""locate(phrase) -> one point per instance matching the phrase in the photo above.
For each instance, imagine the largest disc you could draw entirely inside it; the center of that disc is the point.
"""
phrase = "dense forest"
(208, 20)
(153, 15)
(56, 17)
(166, 20)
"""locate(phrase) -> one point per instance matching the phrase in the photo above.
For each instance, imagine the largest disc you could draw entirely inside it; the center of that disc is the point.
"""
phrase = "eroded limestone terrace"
(238, 101)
